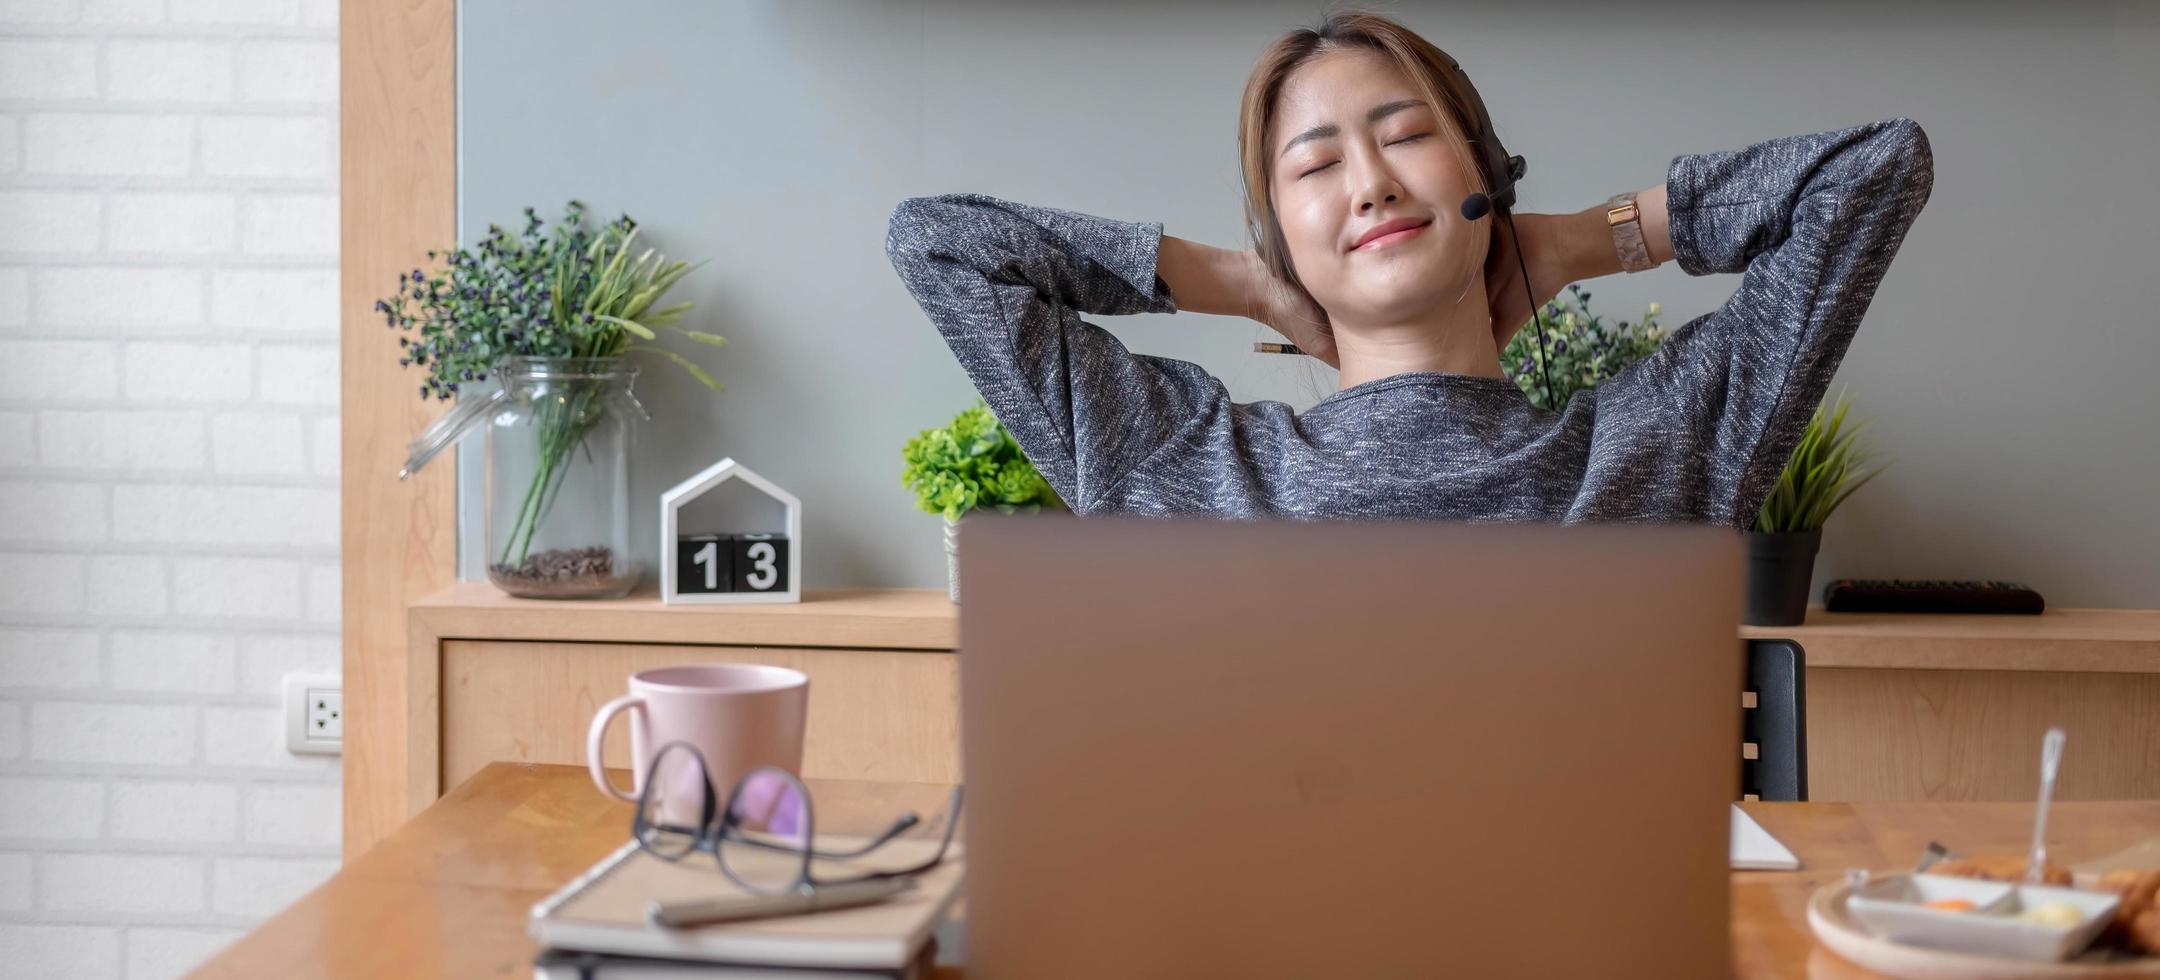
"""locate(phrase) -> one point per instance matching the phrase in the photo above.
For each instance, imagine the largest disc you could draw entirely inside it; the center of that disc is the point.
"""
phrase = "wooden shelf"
(2066, 640)
(2072, 640)
(889, 619)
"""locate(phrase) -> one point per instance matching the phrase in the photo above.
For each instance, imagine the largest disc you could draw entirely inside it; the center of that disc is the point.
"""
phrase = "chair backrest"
(1773, 728)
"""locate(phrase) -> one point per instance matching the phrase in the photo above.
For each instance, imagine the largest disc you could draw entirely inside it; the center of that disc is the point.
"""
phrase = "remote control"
(1900, 595)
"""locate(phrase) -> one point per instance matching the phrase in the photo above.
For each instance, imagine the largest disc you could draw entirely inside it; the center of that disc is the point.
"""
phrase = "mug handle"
(597, 738)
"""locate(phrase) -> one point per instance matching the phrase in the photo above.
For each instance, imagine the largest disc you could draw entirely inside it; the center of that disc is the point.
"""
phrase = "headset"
(1501, 172)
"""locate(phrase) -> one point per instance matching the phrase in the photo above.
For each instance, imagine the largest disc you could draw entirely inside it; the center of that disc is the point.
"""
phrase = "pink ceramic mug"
(739, 716)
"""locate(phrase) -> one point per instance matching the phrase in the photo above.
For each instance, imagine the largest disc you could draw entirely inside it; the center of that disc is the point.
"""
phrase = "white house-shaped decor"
(730, 535)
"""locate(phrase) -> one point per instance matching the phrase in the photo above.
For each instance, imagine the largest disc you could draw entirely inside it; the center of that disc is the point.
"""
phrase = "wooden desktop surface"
(447, 894)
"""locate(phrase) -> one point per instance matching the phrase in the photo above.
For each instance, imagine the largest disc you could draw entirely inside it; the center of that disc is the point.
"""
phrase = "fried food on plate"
(2137, 918)
(1999, 868)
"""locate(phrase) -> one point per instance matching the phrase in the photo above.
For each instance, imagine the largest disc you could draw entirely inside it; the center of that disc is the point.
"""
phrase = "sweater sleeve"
(1006, 284)
(1813, 222)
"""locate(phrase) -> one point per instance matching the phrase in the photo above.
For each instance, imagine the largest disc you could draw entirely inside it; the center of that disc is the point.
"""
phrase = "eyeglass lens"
(768, 846)
(676, 803)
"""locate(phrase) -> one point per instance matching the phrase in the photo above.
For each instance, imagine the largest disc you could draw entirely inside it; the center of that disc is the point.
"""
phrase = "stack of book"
(597, 927)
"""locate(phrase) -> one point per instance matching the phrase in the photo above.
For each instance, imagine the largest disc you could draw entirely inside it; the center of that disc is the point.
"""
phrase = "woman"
(1359, 129)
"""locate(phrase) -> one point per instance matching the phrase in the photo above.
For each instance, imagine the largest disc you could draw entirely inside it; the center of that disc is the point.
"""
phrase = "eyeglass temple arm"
(944, 843)
(910, 819)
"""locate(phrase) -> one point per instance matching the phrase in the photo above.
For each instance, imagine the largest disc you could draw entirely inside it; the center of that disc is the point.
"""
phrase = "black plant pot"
(1780, 568)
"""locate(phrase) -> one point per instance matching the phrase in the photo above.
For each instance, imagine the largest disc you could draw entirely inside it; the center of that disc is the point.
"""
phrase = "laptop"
(1257, 749)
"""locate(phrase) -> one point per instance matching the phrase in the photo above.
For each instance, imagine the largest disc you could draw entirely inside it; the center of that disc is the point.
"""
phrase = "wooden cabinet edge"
(895, 619)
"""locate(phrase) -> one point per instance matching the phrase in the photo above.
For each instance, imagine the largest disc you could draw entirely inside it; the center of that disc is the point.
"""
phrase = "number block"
(705, 563)
(761, 562)
(728, 535)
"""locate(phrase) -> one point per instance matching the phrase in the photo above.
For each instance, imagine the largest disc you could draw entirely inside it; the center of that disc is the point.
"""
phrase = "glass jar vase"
(558, 474)
(558, 478)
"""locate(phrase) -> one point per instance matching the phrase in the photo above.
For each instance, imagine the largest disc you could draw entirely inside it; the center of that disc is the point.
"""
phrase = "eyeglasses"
(764, 838)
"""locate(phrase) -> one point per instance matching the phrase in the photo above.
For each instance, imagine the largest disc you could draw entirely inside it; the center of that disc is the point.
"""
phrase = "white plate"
(1835, 928)
(1892, 908)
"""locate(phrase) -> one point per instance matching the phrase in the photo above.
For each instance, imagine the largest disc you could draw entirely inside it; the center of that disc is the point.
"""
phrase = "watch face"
(1625, 212)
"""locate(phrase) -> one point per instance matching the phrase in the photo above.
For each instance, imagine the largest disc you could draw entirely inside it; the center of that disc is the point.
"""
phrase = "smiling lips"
(1389, 233)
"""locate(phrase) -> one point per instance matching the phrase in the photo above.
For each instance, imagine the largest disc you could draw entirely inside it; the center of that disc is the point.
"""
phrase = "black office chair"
(1773, 722)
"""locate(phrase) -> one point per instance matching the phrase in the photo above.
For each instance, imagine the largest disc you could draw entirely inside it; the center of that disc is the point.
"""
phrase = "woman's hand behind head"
(1289, 311)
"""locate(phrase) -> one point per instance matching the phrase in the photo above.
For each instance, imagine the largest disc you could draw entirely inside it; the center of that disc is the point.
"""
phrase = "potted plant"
(551, 316)
(1580, 349)
(971, 464)
(1825, 468)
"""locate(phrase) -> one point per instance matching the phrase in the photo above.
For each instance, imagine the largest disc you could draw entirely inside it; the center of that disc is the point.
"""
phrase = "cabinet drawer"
(874, 714)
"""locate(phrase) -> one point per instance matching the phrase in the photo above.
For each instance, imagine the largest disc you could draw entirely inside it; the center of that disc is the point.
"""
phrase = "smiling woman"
(1357, 164)
(1392, 269)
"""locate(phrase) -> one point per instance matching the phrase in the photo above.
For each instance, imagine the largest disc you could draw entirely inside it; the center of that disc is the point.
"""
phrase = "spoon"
(2051, 748)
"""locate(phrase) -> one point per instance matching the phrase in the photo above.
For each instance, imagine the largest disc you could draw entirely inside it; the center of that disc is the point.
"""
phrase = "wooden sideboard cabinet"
(490, 678)
(1898, 707)
(1917, 706)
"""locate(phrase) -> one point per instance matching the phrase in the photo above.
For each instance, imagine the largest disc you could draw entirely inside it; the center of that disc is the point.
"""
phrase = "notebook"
(603, 911)
(1753, 849)
(563, 964)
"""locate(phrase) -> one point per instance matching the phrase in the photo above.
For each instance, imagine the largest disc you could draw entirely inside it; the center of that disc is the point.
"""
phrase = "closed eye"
(1407, 139)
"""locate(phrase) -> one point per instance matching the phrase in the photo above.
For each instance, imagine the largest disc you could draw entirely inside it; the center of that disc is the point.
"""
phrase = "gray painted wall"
(2007, 361)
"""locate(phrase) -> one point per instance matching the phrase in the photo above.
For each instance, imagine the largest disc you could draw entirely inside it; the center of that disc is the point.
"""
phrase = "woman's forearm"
(1585, 242)
(1205, 279)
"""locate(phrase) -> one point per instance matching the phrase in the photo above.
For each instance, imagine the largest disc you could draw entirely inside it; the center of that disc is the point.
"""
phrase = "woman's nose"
(1369, 201)
(1374, 179)
(1377, 187)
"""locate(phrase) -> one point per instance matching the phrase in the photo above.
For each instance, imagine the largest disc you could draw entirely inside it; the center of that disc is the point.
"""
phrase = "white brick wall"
(171, 223)
(120, 299)
(65, 144)
(134, 441)
(60, 951)
(168, 473)
(48, 69)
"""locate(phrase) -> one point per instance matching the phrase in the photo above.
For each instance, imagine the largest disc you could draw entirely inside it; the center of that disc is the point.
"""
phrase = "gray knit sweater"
(1697, 432)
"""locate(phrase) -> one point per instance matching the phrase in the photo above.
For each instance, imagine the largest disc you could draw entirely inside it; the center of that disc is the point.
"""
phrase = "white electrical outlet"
(314, 714)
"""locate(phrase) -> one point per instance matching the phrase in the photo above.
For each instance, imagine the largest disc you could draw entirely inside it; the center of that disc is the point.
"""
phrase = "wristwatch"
(1626, 222)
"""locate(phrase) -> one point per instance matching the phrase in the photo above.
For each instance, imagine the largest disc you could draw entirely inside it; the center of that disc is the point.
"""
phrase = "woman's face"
(1354, 147)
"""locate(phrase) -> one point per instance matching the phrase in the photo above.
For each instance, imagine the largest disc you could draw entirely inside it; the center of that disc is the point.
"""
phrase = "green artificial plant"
(1580, 350)
(1825, 468)
(972, 463)
(573, 291)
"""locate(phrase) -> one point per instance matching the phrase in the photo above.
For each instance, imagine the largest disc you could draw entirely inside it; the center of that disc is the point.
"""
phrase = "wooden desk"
(446, 895)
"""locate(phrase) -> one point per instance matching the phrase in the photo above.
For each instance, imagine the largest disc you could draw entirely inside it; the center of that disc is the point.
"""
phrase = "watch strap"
(1626, 222)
